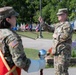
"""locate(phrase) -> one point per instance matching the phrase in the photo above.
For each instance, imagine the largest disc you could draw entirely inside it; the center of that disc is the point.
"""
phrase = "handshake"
(42, 54)
(39, 64)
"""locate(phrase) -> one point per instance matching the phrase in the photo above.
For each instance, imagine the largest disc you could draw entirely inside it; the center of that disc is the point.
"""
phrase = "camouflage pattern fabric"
(62, 40)
(14, 52)
(6, 12)
(62, 47)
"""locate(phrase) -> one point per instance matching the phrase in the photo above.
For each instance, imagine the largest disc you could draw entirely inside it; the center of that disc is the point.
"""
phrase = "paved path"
(37, 44)
(41, 44)
(50, 71)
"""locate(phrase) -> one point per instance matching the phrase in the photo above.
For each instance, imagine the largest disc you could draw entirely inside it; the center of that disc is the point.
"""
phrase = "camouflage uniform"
(62, 45)
(11, 44)
(62, 48)
(13, 49)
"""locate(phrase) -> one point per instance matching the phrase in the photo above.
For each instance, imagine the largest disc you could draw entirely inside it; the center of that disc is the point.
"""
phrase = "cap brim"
(15, 14)
(59, 13)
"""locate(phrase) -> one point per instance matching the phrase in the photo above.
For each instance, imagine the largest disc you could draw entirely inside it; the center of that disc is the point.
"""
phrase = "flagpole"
(40, 36)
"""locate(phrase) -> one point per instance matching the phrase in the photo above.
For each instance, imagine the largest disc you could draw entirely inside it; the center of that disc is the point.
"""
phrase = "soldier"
(62, 39)
(12, 56)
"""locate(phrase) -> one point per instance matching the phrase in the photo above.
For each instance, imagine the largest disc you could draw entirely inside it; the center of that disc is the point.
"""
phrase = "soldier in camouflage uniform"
(62, 39)
(11, 47)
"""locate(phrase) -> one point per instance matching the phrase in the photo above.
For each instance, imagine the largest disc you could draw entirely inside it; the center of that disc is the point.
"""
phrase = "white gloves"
(42, 63)
(36, 65)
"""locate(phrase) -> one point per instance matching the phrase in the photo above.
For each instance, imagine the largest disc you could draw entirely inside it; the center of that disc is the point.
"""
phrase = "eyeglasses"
(60, 14)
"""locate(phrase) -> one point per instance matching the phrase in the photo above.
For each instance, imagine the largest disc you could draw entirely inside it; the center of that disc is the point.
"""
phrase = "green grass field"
(74, 36)
(31, 53)
(45, 34)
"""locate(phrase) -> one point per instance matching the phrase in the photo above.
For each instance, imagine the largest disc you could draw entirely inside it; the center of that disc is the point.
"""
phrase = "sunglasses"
(60, 14)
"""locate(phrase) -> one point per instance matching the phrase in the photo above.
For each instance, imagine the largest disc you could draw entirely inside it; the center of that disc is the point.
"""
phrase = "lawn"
(74, 36)
(34, 35)
(31, 53)
(45, 34)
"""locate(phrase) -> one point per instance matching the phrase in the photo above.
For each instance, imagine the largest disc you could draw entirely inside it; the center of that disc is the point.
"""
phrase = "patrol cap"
(61, 11)
(7, 12)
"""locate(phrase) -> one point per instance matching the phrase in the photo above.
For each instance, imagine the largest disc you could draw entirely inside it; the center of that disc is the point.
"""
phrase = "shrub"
(74, 49)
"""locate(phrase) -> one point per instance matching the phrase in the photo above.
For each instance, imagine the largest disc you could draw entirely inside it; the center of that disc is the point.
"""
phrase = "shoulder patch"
(13, 44)
(6, 32)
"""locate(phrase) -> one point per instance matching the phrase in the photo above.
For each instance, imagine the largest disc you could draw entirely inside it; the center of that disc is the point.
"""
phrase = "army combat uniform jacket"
(63, 31)
(61, 46)
(64, 37)
(11, 49)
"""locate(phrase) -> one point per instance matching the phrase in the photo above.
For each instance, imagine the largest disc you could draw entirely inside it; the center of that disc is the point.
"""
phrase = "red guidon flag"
(5, 69)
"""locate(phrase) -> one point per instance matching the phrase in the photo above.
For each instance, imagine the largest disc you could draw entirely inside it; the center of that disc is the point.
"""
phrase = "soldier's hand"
(40, 19)
(50, 51)
(54, 35)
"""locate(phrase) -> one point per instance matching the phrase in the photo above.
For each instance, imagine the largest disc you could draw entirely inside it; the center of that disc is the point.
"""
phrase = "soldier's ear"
(7, 19)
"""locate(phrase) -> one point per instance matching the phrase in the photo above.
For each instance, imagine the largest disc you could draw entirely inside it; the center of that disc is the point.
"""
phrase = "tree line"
(29, 10)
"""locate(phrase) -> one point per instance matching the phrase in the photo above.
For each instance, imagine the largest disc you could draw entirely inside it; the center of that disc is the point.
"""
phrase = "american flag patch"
(13, 43)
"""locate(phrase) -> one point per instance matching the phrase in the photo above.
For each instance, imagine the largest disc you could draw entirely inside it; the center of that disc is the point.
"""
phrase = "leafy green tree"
(29, 10)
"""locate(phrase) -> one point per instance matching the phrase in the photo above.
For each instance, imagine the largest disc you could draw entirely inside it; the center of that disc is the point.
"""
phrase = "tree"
(29, 10)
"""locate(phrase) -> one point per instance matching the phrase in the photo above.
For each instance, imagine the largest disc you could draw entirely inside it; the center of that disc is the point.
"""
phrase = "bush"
(73, 53)
(74, 49)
